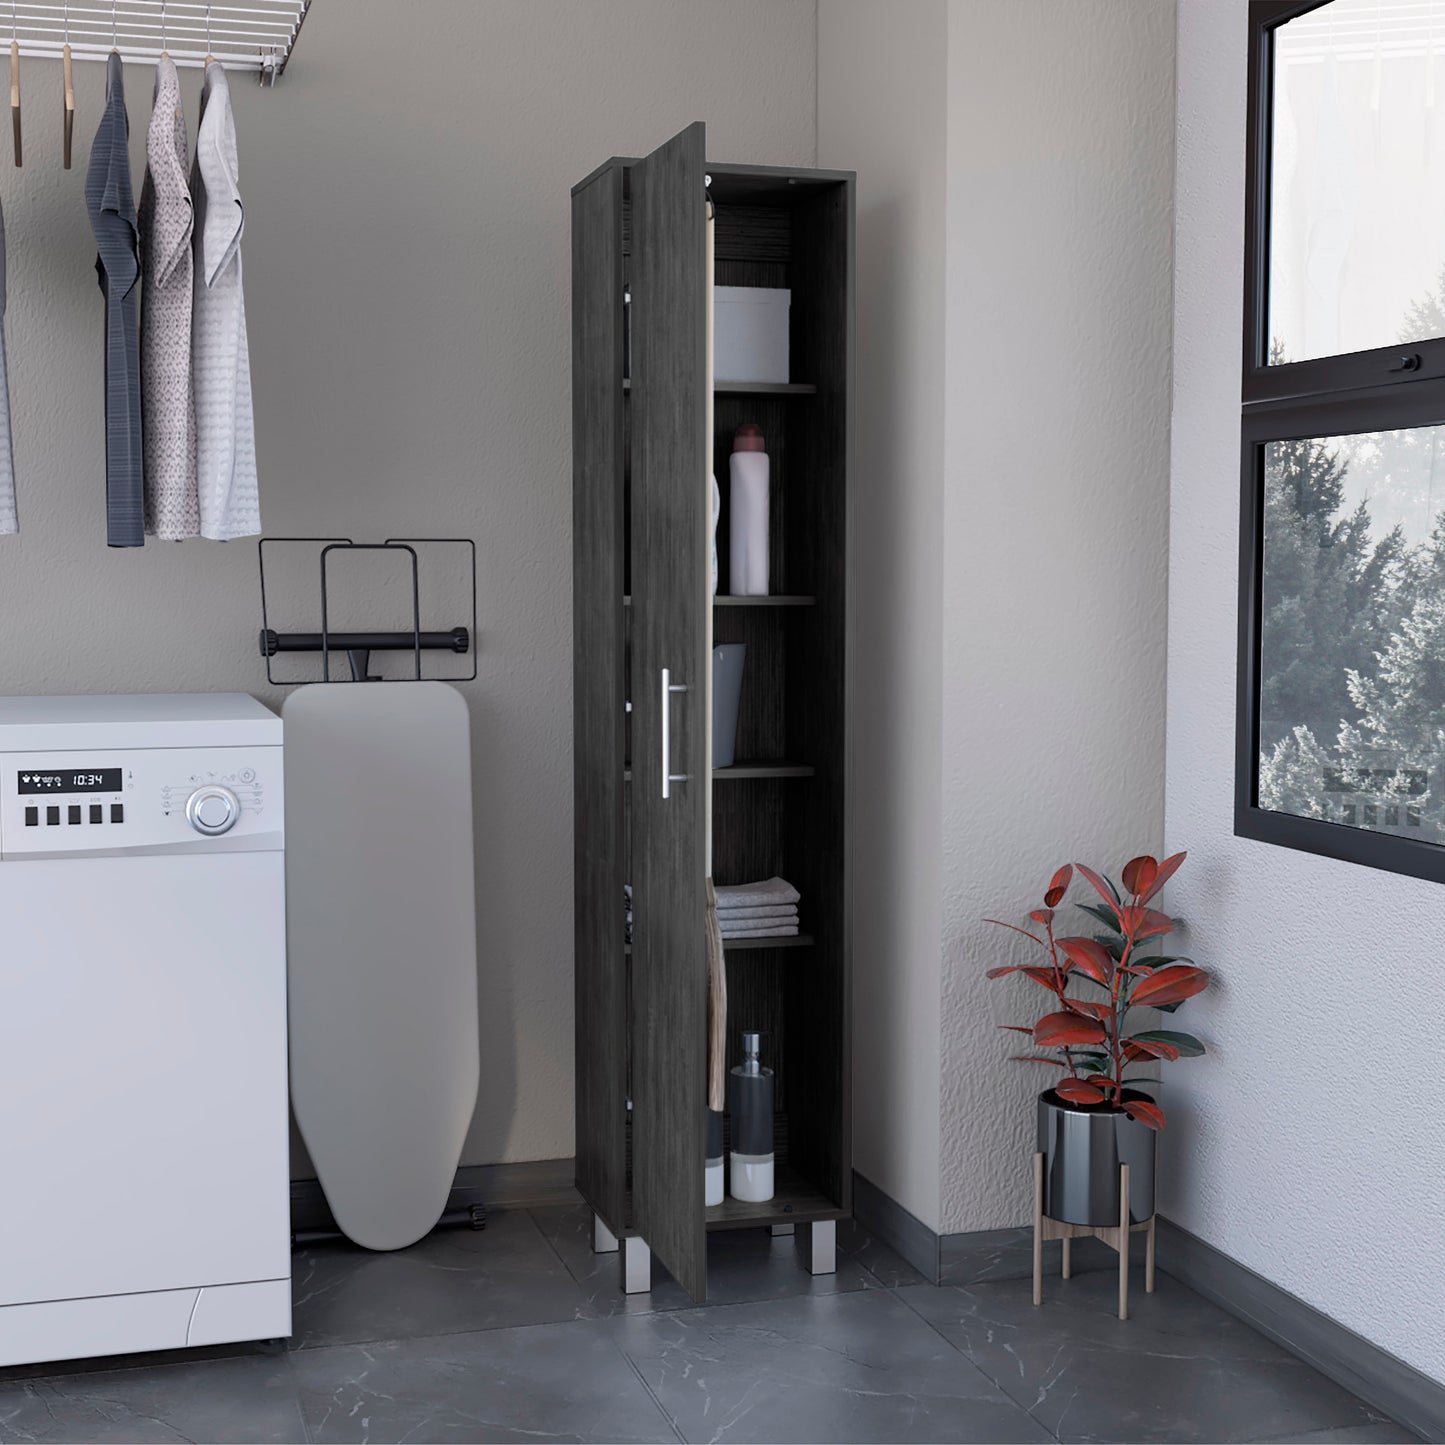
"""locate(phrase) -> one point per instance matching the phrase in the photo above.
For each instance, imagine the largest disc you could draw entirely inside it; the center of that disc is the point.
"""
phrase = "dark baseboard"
(904, 1233)
(537, 1182)
(978, 1257)
(1350, 1360)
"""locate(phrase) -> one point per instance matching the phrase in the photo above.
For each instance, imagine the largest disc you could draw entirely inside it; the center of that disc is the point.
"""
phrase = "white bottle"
(712, 1179)
(748, 523)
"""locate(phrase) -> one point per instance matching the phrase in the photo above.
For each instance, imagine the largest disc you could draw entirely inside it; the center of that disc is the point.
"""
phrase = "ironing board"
(382, 952)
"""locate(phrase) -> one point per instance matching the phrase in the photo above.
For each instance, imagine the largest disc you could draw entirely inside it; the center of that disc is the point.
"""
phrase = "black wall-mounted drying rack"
(358, 646)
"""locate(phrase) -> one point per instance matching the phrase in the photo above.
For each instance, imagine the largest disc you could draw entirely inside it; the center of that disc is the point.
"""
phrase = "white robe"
(220, 361)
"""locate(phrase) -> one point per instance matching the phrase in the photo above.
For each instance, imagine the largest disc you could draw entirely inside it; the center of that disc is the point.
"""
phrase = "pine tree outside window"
(1341, 727)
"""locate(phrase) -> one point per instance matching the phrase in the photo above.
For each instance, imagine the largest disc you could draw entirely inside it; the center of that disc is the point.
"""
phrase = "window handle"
(1409, 362)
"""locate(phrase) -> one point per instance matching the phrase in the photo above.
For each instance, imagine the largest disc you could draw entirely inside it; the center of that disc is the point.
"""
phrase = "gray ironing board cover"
(381, 948)
(111, 205)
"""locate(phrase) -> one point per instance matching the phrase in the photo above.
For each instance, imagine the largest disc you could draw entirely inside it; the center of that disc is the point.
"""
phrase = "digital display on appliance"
(71, 780)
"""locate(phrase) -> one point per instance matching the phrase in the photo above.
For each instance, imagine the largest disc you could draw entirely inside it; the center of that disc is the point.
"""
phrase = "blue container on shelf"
(727, 688)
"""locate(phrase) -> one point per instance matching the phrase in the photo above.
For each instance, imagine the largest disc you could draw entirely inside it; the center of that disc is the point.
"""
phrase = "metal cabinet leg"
(636, 1266)
(779, 1229)
(818, 1245)
(603, 1239)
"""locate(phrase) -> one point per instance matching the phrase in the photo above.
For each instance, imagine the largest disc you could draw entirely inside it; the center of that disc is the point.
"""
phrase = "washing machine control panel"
(145, 800)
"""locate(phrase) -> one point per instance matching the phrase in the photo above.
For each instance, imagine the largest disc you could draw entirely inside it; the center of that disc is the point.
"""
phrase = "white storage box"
(750, 333)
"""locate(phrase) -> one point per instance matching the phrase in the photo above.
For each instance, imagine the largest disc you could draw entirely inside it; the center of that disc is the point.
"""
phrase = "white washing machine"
(144, 1176)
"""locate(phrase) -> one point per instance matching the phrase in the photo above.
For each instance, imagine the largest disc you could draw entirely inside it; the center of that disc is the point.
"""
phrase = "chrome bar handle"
(668, 776)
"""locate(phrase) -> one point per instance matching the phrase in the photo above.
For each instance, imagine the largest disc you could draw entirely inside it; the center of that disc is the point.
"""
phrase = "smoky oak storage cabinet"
(647, 438)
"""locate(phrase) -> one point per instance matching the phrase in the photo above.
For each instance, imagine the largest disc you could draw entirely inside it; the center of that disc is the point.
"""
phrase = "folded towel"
(739, 915)
(780, 930)
(770, 892)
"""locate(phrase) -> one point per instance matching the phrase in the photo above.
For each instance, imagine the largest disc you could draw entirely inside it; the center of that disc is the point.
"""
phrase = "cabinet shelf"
(742, 772)
(762, 770)
(742, 945)
(752, 388)
(777, 599)
(794, 1201)
(796, 940)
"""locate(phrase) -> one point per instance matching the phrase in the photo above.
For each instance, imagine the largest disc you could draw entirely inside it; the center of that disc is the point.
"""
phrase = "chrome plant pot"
(1083, 1147)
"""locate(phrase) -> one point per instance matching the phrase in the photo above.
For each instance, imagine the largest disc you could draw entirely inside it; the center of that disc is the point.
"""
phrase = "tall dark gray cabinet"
(644, 625)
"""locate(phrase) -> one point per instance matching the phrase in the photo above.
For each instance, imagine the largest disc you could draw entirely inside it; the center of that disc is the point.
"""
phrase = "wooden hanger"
(69, 83)
(14, 82)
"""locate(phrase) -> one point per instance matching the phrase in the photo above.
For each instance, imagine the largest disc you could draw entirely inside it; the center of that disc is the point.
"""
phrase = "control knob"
(212, 810)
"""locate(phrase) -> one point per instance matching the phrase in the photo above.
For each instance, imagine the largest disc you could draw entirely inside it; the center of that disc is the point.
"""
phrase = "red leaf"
(1140, 923)
(1088, 957)
(1017, 1029)
(1001, 924)
(1042, 916)
(1076, 1091)
(1044, 977)
(1090, 1007)
(1167, 869)
(1139, 874)
(1037, 1059)
(1058, 1030)
(1102, 1080)
(1170, 985)
(1058, 886)
(1100, 887)
(1145, 1112)
(1136, 1049)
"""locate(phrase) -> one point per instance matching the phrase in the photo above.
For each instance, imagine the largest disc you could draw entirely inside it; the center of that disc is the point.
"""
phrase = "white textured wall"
(1308, 1147)
(882, 110)
(407, 276)
(1060, 186)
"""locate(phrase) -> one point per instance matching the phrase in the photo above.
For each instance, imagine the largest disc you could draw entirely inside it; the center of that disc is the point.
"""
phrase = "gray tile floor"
(520, 1332)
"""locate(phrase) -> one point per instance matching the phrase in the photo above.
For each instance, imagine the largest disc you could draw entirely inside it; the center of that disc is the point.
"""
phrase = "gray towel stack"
(758, 910)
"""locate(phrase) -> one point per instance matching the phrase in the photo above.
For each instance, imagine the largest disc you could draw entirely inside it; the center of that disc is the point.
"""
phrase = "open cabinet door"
(671, 515)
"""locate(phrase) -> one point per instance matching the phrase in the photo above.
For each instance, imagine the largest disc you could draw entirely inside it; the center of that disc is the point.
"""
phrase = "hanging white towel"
(220, 362)
(8, 520)
(166, 224)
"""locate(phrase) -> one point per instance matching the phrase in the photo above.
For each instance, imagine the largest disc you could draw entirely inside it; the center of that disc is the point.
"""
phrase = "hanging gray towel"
(221, 362)
(168, 412)
(112, 217)
(8, 520)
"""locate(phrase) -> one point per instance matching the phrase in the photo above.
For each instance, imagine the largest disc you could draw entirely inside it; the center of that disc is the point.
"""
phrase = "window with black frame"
(1341, 736)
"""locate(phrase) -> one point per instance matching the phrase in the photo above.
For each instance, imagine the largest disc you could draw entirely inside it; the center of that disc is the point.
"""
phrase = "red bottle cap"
(748, 438)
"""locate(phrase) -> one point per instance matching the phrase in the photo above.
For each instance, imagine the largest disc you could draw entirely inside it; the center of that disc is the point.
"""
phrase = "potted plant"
(1098, 1116)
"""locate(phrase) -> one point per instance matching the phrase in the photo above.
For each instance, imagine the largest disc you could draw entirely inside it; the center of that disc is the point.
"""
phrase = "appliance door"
(142, 1074)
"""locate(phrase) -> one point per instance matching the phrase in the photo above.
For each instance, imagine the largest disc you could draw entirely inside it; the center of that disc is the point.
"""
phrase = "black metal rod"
(459, 639)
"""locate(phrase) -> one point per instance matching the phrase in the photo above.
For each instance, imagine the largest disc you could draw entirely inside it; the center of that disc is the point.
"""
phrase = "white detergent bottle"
(748, 522)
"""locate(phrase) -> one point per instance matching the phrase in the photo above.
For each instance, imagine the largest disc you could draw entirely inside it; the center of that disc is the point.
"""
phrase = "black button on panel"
(97, 813)
(52, 816)
(75, 812)
(117, 812)
(32, 817)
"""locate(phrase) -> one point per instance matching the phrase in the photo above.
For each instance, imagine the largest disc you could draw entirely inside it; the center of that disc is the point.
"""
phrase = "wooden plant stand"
(1116, 1236)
